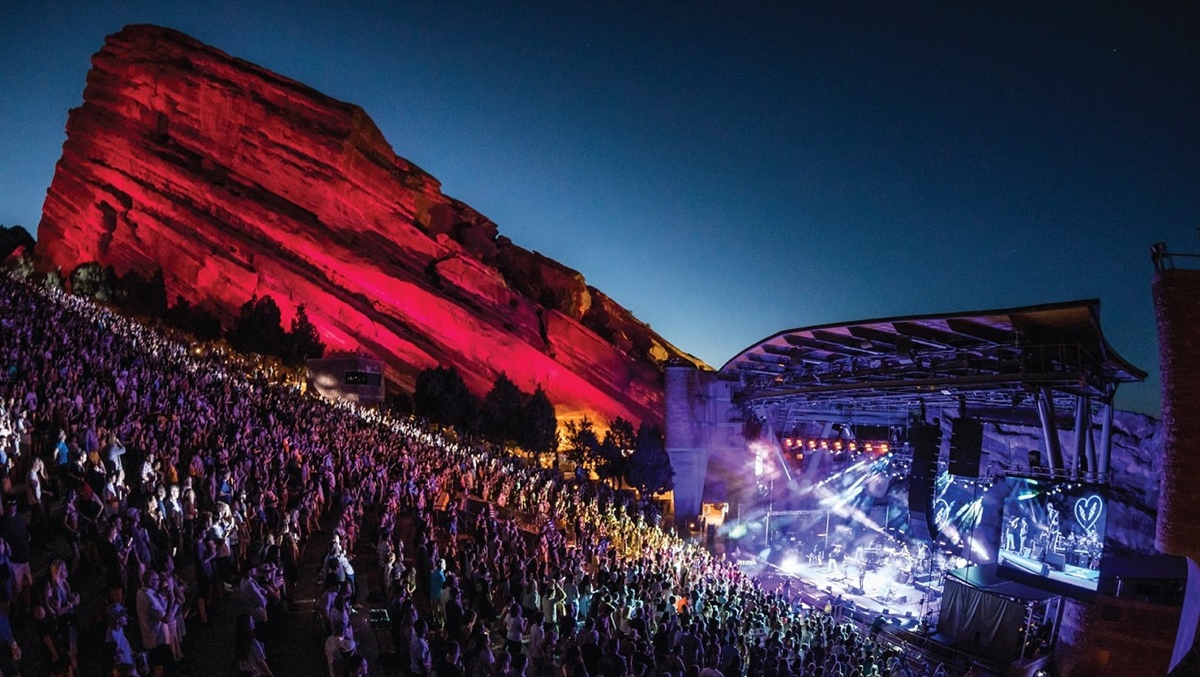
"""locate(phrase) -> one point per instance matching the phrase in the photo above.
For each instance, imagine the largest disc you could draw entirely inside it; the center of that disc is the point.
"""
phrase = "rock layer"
(235, 181)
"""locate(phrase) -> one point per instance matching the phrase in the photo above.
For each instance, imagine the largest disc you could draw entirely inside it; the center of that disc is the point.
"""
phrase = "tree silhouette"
(194, 320)
(618, 444)
(303, 342)
(650, 467)
(442, 397)
(141, 296)
(500, 415)
(539, 424)
(582, 444)
(258, 328)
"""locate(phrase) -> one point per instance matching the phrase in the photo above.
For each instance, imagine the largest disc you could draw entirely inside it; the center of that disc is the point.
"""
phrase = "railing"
(1164, 260)
(1037, 472)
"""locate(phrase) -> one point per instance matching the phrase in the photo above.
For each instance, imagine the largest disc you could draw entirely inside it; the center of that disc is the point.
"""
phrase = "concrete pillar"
(684, 440)
(1177, 311)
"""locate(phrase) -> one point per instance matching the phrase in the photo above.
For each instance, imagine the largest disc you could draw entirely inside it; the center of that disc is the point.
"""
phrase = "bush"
(94, 281)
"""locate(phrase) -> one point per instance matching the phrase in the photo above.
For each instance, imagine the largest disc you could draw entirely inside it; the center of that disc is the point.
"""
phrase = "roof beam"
(851, 342)
(828, 347)
(924, 334)
(878, 337)
(979, 331)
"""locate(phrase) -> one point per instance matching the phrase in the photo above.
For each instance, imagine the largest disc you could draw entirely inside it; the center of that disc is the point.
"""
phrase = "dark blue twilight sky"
(728, 170)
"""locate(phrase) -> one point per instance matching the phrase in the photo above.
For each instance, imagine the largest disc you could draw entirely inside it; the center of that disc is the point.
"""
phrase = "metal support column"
(1090, 438)
(1106, 423)
(1082, 425)
(1045, 406)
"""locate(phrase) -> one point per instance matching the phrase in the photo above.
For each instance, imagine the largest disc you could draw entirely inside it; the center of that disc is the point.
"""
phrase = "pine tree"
(650, 467)
(501, 411)
(303, 342)
(539, 424)
(258, 328)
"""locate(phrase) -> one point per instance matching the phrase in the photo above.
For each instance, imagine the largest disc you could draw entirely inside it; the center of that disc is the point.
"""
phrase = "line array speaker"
(966, 447)
(927, 444)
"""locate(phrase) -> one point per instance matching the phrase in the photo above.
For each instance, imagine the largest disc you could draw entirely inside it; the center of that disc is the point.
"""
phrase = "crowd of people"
(188, 483)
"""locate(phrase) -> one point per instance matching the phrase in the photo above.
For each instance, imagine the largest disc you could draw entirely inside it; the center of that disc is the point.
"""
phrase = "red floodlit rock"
(236, 181)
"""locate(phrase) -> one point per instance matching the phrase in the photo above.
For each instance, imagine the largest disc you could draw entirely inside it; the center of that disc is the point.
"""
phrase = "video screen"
(1054, 529)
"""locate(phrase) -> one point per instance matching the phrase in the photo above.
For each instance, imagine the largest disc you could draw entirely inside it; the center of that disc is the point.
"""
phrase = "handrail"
(1164, 260)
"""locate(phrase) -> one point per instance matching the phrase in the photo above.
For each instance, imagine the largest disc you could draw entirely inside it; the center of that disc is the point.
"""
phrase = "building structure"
(929, 385)
(351, 377)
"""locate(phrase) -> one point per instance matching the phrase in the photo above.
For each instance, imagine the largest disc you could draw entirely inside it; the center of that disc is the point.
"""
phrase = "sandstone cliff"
(236, 181)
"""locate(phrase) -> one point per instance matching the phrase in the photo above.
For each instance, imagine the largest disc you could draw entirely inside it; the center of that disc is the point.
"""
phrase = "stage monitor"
(1054, 529)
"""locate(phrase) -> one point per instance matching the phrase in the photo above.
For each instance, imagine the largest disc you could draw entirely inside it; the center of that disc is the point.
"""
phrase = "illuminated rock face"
(236, 181)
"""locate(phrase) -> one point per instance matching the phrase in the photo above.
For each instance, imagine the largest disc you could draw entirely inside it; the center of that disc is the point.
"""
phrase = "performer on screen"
(1011, 533)
(1053, 529)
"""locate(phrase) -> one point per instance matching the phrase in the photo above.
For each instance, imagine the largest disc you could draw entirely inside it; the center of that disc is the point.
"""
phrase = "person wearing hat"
(338, 648)
(119, 651)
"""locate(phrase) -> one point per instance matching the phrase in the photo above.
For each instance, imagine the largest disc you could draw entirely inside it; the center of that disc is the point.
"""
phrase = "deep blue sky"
(727, 170)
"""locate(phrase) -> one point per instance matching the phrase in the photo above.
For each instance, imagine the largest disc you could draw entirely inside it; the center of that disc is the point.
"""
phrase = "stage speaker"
(1057, 561)
(966, 447)
(922, 479)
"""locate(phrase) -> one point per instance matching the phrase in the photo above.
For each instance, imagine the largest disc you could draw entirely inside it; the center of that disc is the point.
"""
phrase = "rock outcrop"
(14, 239)
(235, 181)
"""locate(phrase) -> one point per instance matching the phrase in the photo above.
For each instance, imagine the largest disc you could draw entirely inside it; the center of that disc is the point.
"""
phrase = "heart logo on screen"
(941, 512)
(1087, 511)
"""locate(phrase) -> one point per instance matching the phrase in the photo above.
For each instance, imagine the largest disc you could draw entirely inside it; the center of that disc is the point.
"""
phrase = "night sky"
(727, 170)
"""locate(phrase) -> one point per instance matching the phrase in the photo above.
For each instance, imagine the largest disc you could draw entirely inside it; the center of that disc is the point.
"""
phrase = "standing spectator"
(153, 611)
(60, 603)
(62, 458)
(249, 659)
(120, 653)
(420, 661)
(113, 453)
(34, 494)
(16, 535)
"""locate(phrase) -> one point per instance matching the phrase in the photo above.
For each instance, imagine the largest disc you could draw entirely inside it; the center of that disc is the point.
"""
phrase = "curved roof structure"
(986, 359)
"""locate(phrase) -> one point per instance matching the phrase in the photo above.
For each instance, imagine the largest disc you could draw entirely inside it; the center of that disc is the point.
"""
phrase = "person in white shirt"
(152, 611)
(114, 637)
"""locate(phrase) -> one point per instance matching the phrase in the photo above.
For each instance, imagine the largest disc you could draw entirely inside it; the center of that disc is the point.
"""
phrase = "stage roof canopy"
(989, 360)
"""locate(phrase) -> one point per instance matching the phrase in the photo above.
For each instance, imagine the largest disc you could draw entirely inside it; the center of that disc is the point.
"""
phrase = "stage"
(865, 590)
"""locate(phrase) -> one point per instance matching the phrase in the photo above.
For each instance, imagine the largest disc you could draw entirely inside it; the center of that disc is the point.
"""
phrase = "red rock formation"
(236, 181)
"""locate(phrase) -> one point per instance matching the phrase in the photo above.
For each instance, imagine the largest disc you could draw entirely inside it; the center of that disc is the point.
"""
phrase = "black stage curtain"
(980, 623)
